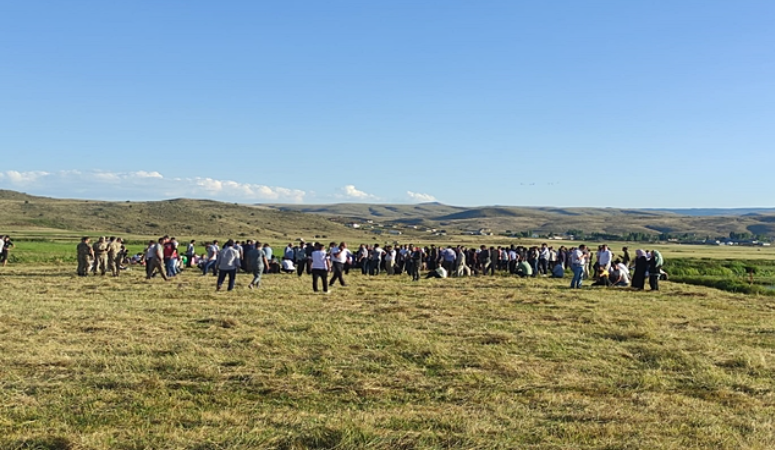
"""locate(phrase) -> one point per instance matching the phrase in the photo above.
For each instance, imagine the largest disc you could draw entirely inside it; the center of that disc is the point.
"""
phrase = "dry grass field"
(499, 362)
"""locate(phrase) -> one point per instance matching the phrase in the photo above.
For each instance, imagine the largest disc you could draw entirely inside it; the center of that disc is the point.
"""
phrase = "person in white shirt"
(604, 257)
(390, 259)
(320, 267)
(287, 266)
(338, 257)
(376, 260)
(578, 259)
(440, 272)
(212, 259)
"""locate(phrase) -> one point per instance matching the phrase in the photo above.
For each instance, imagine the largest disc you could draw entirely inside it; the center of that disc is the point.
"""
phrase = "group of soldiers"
(105, 255)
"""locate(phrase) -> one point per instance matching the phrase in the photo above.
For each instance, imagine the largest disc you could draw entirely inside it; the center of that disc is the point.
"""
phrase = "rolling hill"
(184, 217)
(546, 220)
(201, 218)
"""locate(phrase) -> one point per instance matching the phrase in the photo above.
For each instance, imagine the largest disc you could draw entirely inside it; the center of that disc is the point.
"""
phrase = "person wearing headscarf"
(641, 264)
(655, 269)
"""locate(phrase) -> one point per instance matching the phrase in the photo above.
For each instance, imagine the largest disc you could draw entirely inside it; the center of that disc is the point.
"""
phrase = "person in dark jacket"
(655, 269)
(641, 264)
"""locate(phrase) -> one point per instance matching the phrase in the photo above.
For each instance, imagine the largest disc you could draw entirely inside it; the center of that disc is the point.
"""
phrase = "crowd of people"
(165, 258)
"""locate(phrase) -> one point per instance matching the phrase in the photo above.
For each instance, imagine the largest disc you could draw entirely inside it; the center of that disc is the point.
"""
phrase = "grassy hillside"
(19, 212)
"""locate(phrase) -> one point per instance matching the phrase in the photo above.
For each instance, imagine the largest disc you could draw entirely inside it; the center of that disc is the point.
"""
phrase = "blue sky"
(564, 103)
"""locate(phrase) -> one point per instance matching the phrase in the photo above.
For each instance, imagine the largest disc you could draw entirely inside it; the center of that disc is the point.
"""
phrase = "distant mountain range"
(205, 217)
(701, 212)
(546, 220)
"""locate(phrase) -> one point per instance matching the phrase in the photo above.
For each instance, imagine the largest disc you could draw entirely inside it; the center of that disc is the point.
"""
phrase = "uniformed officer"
(85, 254)
(100, 256)
(114, 251)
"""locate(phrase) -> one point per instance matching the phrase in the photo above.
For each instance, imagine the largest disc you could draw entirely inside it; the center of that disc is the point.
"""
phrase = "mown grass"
(103, 363)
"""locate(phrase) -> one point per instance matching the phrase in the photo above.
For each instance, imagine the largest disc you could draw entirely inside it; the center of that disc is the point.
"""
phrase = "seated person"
(618, 277)
(558, 271)
(287, 266)
(602, 277)
(440, 272)
(524, 269)
(274, 266)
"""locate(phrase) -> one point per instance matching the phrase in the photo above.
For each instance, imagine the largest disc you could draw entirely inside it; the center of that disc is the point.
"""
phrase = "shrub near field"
(497, 362)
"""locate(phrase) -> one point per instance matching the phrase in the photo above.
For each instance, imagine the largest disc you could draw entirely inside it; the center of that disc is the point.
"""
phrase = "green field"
(497, 362)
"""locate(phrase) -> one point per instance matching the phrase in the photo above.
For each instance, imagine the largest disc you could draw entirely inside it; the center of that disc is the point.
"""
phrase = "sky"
(657, 103)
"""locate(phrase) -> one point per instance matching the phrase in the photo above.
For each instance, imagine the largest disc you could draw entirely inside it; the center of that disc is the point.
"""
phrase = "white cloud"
(350, 191)
(142, 185)
(22, 178)
(420, 198)
(144, 174)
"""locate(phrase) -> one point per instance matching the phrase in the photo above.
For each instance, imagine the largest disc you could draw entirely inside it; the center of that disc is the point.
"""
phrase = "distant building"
(353, 225)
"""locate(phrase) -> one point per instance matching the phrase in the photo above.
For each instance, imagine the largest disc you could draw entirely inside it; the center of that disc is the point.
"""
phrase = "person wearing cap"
(85, 254)
(100, 256)
(114, 255)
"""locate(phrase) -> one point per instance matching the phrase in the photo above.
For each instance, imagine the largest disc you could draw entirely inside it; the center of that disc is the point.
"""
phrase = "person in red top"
(170, 257)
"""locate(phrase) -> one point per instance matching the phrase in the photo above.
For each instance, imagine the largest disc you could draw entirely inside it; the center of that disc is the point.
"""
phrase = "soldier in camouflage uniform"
(85, 254)
(114, 255)
(100, 256)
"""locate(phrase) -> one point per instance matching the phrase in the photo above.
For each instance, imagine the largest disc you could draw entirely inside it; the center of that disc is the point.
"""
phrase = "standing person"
(100, 256)
(390, 260)
(338, 260)
(212, 259)
(150, 253)
(154, 259)
(228, 263)
(170, 257)
(532, 259)
(288, 252)
(320, 268)
(578, 262)
(5, 247)
(417, 255)
(190, 253)
(85, 253)
(484, 259)
(268, 252)
(626, 256)
(641, 265)
(655, 269)
(543, 259)
(257, 262)
(605, 257)
(300, 258)
(376, 260)
(114, 250)
(363, 259)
